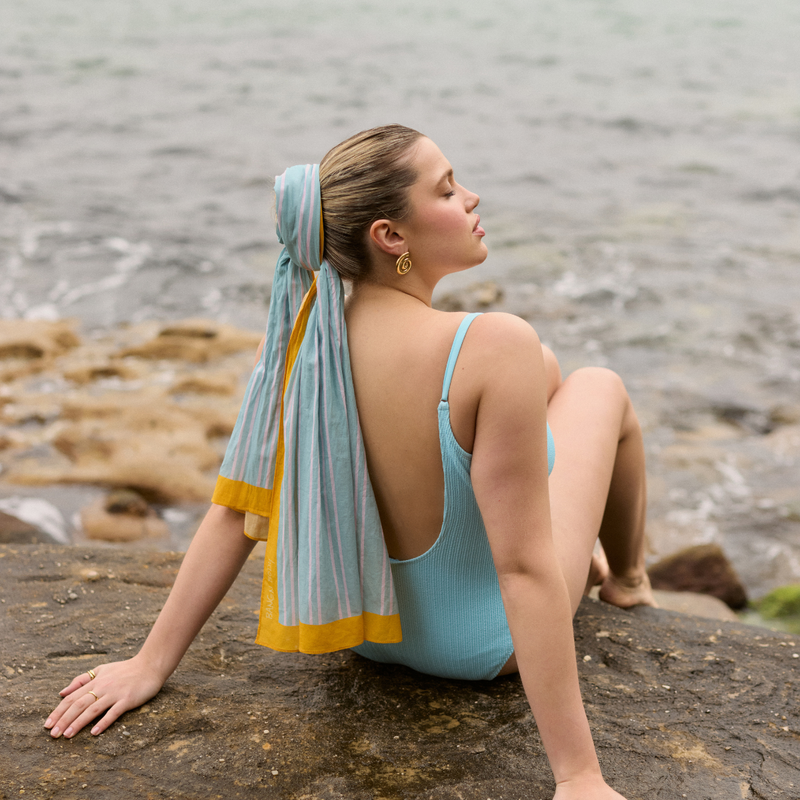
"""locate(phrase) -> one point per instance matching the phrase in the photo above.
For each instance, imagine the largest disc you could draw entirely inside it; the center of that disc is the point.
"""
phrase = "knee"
(552, 371)
(601, 383)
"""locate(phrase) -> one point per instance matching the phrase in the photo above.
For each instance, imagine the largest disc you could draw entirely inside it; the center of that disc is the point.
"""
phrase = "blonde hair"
(363, 179)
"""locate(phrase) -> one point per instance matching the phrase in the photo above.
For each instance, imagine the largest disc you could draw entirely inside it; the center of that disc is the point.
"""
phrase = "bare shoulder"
(500, 339)
(504, 330)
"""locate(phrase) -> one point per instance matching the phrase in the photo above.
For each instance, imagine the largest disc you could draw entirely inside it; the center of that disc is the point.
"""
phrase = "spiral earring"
(404, 264)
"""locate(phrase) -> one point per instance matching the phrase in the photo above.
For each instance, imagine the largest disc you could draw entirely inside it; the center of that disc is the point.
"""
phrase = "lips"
(477, 230)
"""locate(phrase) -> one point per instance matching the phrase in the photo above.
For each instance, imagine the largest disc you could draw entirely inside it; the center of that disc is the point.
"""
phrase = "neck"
(391, 290)
(386, 282)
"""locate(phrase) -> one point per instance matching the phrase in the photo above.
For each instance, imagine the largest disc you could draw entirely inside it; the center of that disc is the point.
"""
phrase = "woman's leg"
(598, 486)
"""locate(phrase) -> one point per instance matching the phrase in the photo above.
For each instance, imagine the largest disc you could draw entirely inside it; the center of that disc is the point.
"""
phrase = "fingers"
(77, 682)
(68, 693)
(117, 688)
(112, 715)
(75, 714)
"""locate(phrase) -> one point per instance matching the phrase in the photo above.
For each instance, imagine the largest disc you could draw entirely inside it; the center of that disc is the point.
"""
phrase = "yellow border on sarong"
(262, 509)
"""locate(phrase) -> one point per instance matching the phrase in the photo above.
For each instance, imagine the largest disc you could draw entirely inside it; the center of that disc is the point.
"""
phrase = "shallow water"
(637, 162)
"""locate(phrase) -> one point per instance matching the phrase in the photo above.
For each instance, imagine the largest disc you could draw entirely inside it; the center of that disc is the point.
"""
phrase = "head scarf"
(296, 464)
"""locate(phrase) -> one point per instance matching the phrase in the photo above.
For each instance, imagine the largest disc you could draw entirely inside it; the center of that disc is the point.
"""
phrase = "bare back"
(398, 352)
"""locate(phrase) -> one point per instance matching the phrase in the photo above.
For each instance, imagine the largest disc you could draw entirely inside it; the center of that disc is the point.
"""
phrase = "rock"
(678, 705)
(704, 569)
(30, 520)
(28, 347)
(196, 341)
(781, 602)
(34, 340)
(142, 441)
(126, 502)
(476, 297)
(123, 516)
(16, 531)
(135, 407)
(700, 605)
(217, 383)
(786, 414)
(88, 372)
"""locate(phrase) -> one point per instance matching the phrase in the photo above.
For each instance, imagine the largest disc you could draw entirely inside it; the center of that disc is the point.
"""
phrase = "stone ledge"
(680, 706)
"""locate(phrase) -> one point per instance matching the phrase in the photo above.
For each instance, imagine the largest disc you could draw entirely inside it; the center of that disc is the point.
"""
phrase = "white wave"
(39, 513)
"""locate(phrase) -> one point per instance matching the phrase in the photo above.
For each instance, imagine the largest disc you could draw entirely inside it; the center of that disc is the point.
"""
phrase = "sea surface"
(638, 164)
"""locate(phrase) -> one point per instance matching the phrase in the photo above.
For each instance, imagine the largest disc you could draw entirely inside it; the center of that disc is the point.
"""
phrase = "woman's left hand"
(115, 689)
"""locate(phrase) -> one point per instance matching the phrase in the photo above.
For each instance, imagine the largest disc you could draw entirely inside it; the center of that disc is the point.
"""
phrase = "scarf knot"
(296, 464)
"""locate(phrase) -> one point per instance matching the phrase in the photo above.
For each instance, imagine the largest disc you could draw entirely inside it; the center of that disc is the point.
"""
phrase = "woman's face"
(442, 229)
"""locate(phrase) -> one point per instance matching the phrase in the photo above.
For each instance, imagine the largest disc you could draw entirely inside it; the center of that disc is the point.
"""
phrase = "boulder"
(28, 520)
(704, 569)
(122, 516)
(14, 530)
(679, 706)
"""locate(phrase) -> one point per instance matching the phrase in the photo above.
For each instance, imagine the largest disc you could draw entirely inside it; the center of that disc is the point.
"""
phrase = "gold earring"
(404, 264)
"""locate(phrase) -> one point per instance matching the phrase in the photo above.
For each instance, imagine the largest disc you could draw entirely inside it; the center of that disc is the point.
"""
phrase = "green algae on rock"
(782, 604)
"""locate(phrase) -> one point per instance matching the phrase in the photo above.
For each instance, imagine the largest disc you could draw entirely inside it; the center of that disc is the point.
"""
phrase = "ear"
(387, 237)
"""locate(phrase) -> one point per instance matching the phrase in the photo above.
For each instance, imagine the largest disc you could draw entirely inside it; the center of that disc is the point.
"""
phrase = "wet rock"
(476, 297)
(786, 414)
(195, 341)
(785, 443)
(123, 516)
(84, 373)
(29, 339)
(156, 423)
(213, 384)
(29, 346)
(678, 705)
(127, 502)
(704, 569)
(13, 530)
(142, 441)
(30, 520)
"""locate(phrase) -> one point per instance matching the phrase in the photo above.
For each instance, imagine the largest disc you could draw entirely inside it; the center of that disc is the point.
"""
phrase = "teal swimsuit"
(452, 615)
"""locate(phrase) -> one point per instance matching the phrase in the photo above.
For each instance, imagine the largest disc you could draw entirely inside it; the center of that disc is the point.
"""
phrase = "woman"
(474, 530)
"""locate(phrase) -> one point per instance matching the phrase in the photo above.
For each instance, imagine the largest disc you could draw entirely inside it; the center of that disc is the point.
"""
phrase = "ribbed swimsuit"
(451, 611)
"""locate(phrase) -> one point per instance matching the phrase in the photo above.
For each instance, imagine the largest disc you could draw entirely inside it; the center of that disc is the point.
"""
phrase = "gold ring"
(91, 674)
(93, 695)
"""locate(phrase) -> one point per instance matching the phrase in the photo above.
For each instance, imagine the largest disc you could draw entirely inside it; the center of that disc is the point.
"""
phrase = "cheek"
(448, 223)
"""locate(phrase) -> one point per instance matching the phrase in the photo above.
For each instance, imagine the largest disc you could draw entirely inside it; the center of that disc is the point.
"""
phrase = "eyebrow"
(447, 175)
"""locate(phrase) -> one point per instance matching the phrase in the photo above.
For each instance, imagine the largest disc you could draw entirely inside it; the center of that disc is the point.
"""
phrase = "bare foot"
(598, 571)
(627, 592)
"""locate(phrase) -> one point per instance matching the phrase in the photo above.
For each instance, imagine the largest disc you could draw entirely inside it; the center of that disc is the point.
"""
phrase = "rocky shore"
(139, 407)
(138, 416)
(680, 706)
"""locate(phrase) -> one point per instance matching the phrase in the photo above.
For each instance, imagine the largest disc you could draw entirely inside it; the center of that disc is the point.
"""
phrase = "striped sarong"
(296, 464)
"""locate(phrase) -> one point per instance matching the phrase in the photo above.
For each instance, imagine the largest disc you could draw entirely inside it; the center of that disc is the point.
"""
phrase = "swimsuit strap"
(454, 351)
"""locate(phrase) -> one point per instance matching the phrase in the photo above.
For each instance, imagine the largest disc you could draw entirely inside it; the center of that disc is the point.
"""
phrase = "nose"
(472, 201)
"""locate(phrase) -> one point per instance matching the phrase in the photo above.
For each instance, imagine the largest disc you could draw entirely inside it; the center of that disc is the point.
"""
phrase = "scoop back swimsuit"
(451, 611)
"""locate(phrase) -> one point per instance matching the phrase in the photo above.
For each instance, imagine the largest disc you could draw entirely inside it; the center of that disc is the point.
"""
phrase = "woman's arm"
(509, 477)
(214, 559)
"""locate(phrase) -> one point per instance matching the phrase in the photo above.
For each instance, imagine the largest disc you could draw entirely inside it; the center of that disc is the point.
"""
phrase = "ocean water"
(638, 164)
